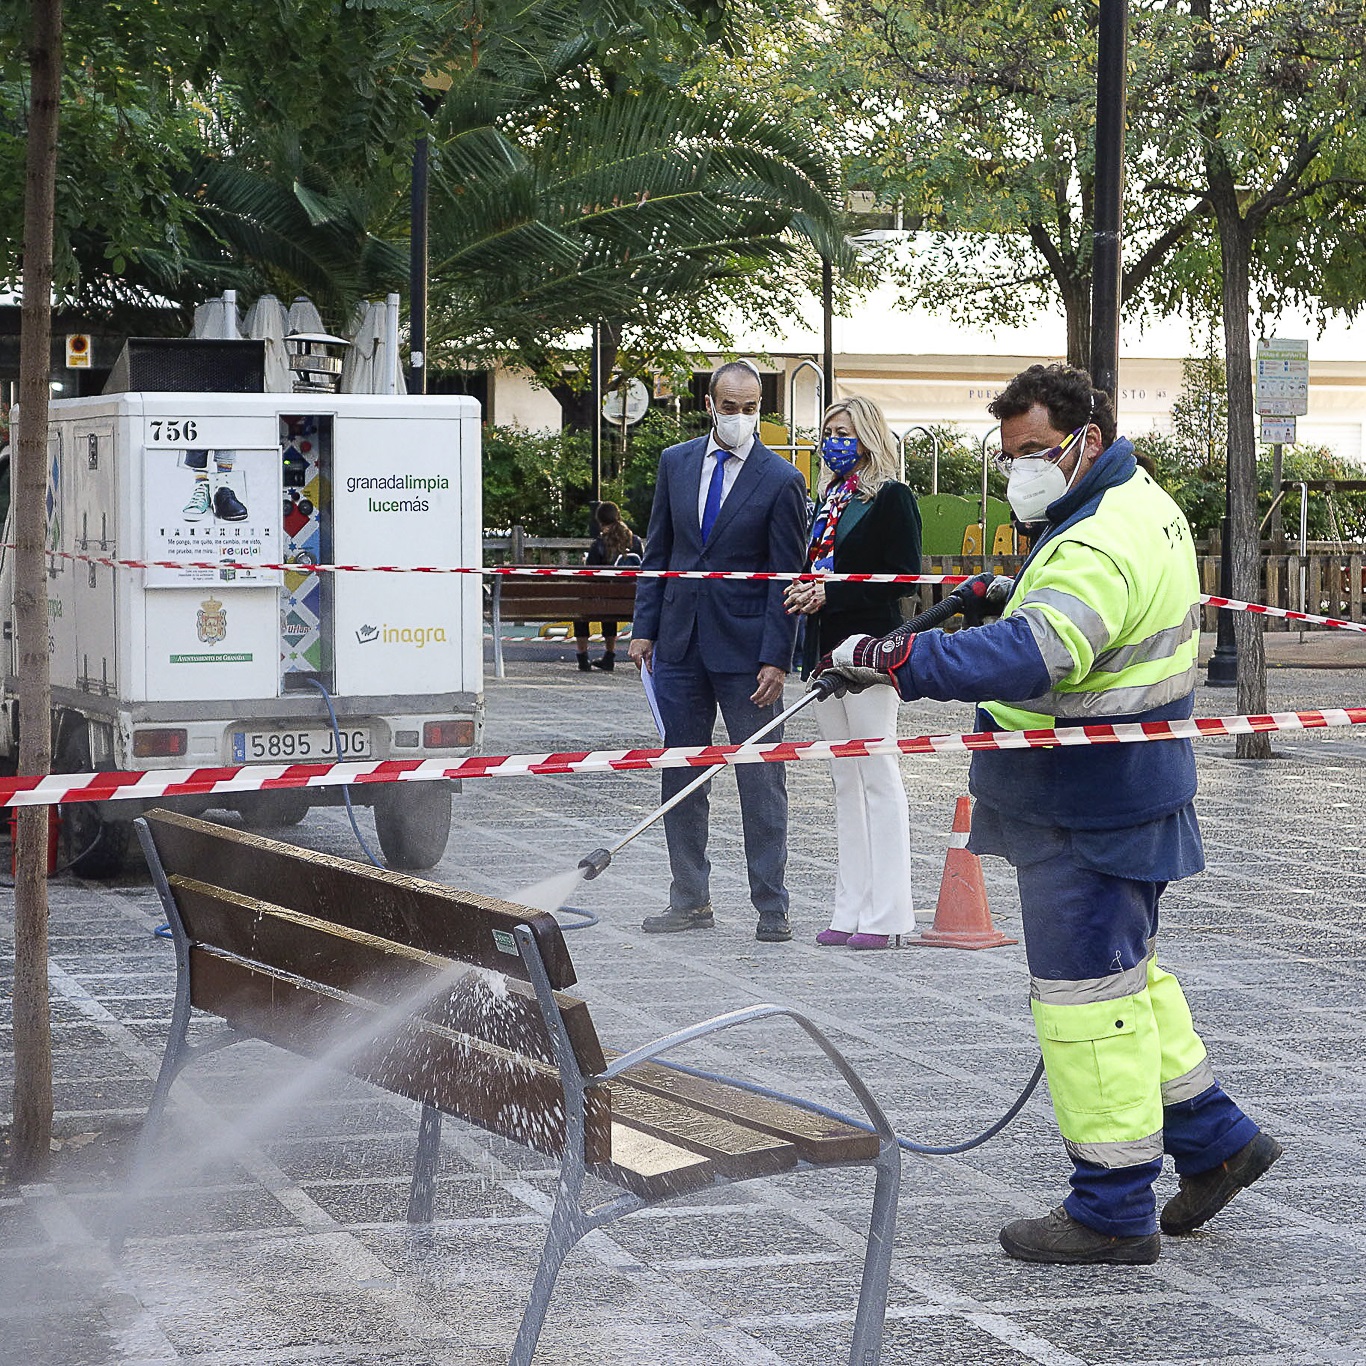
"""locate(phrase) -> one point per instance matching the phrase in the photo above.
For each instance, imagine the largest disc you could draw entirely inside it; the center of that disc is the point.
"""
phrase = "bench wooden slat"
(459, 1075)
(556, 599)
(815, 1138)
(440, 920)
(493, 1088)
(737, 1151)
(505, 1013)
(651, 1167)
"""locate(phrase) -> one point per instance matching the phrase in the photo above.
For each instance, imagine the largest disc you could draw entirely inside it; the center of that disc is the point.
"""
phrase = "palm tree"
(650, 207)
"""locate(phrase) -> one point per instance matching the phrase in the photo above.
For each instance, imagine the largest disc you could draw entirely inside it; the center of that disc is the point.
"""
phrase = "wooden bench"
(298, 948)
(550, 598)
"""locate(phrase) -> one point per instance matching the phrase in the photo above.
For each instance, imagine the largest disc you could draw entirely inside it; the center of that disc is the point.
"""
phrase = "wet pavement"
(294, 1250)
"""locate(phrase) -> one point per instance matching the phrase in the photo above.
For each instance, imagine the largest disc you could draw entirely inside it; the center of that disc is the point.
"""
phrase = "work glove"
(983, 596)
(863, 661)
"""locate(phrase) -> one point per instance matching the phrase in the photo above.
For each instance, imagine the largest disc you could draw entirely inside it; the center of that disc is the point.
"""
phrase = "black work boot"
(773, 929)
(1059, 1238)
(699, 918)
(1204, 1194)
(228, 507)
(584, 666)
(607, 663)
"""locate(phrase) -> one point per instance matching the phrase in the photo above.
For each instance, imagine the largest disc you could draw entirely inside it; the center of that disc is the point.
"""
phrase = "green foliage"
(649, 206)
(530, 478)
(577, 173)
(542, 480)
(975, 124)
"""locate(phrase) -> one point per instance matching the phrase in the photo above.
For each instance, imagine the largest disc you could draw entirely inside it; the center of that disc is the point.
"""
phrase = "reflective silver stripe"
(1081, 614)
(1128, 1154)
(1191, 1084)
(1160, 645)
(1057, 658)
(1052, 991)
(1113, 701)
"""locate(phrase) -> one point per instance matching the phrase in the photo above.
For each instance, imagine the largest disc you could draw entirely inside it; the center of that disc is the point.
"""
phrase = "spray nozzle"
(595, 863)
(828, 685)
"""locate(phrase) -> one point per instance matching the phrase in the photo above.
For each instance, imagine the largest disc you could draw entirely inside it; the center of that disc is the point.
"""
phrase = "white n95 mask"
(734, 429)
(1033, 486)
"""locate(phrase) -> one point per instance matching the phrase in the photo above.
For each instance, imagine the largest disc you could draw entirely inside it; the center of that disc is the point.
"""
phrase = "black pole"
(828, 322)
(1112, 43)
(595, 386)
(1222, 671)
(417, 273)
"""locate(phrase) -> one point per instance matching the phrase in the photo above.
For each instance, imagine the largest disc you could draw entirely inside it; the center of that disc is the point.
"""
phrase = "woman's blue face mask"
(840, 453)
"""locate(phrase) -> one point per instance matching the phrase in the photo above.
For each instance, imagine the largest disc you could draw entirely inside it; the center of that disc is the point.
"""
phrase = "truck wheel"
(89, 847)
(413, 822)
(267, 810)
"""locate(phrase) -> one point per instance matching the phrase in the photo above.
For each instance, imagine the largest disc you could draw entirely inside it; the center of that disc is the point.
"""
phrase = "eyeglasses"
(1005, 463)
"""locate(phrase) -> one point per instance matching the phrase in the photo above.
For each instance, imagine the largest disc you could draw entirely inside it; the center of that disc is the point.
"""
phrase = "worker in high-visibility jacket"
(1101, 625)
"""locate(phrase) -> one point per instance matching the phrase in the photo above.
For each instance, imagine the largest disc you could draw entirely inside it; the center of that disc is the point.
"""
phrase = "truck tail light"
(447, 734)
(159, 744)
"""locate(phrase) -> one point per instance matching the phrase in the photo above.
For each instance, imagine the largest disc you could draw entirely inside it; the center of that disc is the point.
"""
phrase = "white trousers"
(872, 821)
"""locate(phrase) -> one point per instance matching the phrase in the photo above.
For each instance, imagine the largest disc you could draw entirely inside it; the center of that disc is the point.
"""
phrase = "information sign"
(1278, 431)
(1282, 377)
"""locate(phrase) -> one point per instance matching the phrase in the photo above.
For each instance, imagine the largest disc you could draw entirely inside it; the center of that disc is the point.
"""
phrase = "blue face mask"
(840, 453)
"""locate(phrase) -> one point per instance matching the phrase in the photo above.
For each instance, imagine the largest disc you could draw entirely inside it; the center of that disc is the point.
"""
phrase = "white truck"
(192, 668)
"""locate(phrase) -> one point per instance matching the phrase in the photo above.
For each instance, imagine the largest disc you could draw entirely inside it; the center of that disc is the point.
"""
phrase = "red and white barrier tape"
(525, 571)
(556, 640)
(611, 572)
(158, 783)
(1335, 623)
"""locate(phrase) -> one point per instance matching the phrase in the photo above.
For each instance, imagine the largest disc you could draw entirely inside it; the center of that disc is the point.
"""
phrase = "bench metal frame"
(570, 1219)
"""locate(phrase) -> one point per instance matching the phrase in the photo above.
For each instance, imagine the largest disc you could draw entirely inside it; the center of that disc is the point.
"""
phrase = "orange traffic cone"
(962, 919)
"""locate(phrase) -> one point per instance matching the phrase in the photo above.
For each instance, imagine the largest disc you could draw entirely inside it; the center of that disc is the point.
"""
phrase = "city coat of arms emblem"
(212, 621)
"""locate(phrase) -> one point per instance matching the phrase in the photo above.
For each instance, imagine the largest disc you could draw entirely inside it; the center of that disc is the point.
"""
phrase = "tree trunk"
(1076, 303)
(1235, 247)
(32, 1137)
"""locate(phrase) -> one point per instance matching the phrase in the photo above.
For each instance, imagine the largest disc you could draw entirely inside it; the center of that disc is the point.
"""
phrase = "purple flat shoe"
(834, 938)
(869, 941)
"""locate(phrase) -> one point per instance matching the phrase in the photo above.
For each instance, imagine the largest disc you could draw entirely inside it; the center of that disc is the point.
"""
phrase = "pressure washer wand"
(597, 861)
(827, 685)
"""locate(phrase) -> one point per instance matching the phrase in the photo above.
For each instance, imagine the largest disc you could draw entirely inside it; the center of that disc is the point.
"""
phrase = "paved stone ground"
(293, 1250)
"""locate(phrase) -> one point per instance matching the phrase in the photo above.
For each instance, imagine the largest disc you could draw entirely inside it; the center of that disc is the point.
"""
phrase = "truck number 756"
(174, 429)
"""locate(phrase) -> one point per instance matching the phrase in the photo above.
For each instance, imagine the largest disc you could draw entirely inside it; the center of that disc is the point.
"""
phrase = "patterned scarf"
(822, 552)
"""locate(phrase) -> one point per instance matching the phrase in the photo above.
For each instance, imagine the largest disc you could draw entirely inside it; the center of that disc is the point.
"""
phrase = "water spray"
(985, 593)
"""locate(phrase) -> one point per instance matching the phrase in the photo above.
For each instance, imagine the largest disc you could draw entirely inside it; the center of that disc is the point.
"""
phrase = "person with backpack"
(616, 544)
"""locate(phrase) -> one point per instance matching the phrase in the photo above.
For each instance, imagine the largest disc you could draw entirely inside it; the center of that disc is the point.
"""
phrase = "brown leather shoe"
(1059, 1238)
(1204, 1194)
(700, 918)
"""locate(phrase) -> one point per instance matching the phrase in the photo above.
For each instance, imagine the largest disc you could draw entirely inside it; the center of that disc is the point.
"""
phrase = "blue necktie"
(713, 505)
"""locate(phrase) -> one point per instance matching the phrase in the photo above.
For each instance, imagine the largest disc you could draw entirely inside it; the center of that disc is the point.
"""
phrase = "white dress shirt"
(728, 477)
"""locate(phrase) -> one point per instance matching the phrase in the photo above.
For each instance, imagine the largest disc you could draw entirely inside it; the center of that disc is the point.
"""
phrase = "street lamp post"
(828, 329)
(1112, 41)
(417, 271)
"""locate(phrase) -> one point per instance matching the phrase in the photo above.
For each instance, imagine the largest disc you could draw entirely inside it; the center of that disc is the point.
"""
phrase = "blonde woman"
(867, 523)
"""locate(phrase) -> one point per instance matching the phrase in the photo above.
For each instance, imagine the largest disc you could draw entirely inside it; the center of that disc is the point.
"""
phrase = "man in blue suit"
(722, 501)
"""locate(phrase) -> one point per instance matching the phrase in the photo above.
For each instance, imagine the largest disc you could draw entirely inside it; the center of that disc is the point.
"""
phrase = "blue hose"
(587, 921)
(346, 790)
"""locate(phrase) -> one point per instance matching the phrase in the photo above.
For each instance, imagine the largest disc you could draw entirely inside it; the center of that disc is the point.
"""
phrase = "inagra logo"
(212, 621)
